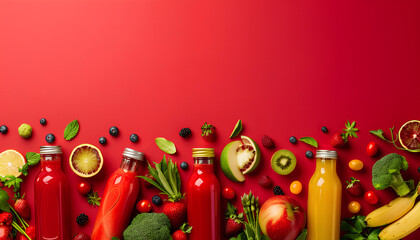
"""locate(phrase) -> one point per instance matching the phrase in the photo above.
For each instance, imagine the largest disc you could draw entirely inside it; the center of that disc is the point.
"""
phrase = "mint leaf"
(302, 236)
(32, 158)
(309, 140)
(374, 234)
(165, 145)
(4, 205)
(379, 133)
(71, 130)
(346, 227)
(24, 169)
(237, 129)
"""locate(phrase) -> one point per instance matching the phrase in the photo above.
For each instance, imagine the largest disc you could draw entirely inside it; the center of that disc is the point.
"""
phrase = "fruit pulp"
(203, 203)
(118, 202)
(52, 200)
(324, 201)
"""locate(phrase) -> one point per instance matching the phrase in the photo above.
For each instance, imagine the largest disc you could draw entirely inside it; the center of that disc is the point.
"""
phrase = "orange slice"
(409, 135)
(86, 160)
(10, 162)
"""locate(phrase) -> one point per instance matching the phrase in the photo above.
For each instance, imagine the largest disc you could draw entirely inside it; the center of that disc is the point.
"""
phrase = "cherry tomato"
(372, 149)
(354, 207)
(84, 187)
(356, 165)
(296, 187)
(371, 197)
(228, 193)
(143, 206)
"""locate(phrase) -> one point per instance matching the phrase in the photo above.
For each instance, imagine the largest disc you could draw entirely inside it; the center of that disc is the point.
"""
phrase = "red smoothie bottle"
(119, 198)
(203, 197)
(51, 197)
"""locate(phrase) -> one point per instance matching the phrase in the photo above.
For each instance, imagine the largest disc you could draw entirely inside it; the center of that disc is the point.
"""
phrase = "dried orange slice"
(409, 135)
(10, 162)
(86, 160)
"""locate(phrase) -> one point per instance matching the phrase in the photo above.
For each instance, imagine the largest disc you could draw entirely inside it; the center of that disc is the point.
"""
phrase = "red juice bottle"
(203, 197)
(51, 197)
(119, 198)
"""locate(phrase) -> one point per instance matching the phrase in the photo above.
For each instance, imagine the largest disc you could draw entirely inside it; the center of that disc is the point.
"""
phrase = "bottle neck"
(204, 164)
(326, 165)
(50, 162)
(129, 164)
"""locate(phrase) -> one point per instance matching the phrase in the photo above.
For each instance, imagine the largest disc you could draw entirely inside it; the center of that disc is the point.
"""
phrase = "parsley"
(94, 199)
(355, 229)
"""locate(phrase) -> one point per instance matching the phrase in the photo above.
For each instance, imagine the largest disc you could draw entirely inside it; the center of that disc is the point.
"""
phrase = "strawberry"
(30, 231)
(354, 187)
(6, 219)
(208, 132)
(81, 236)
(5, 233)
(176, 212)
(267, 142)
(234, 223)
(265, 181)
(22, 208)
(181, 234)
(341, 139)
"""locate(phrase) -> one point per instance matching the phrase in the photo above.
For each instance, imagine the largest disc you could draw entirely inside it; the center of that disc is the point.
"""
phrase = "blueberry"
(50, 138)
(324, 129)
(293, 140)
(102, 140)
(184, 165)
(3, 129)
(309, 154)
(43, 121)
(157, 200)
(134, 138)
(114, 131)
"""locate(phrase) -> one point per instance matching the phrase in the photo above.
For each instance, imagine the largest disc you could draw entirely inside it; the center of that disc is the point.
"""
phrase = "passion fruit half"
(239, 158)
(86, 160)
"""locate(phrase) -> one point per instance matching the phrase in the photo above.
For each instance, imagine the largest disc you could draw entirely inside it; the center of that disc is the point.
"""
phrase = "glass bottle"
(324, 198)
(51, 197)
(119, 198)
(203, 197)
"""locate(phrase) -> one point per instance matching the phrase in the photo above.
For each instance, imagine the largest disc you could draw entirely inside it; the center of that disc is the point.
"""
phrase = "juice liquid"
(118, 201)
(51, 200)
(203, 199)
(324, 201)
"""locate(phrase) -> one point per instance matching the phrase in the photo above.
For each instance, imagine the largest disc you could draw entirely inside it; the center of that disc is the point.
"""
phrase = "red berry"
(6, 218)
(354, 187)
(176, 212)
(31, 232)
(22, 208)
(208, 132)
(265, 181)
(267, 142)
(233, 227)
(81, 236)
(179, 235)
(337, 140)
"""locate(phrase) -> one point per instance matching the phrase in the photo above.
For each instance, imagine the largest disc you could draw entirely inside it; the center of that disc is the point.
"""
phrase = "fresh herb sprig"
(380, 134)
(355, 228)
(93, 199)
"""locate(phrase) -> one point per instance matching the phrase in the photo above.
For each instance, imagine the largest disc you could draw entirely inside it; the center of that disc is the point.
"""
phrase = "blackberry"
(293, 140)
(185, 132)
(3, 129)
(43, 121)
(50, 138)
(309, 154)
(277, 190)
(324, 129)
(114, 131)
(157, 200)
(184, 165)
(134, 138)
(82, 219)
(102, 140)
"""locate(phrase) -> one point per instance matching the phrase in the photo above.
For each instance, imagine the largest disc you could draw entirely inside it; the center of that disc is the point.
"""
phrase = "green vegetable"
(251, 208)
(386, 173)
(94, 199)
(309, 140)
(241, 236)
(115, 238)
(25, 130)
(165, 145)
(237, 129)
(302, 236)
(355, 229)
(71, 130)
(150, 226)
(379, 133)
(4, 205)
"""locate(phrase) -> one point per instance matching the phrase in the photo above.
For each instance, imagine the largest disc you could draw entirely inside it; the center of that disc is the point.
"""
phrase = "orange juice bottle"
(324, 198)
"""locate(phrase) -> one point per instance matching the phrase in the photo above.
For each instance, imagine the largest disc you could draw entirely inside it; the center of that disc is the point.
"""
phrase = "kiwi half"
(283, 162)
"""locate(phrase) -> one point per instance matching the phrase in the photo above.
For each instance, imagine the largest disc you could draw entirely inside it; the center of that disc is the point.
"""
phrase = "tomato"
(228, 193)
(296, 187)
(84, 187)
(354, 207)
(356, 165)
(371, 197)
(143, 206)
(372, 149)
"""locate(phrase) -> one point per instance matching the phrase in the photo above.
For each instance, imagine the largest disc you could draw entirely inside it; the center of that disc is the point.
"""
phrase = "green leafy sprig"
(355, 228)
(93, 199)
(380, 134)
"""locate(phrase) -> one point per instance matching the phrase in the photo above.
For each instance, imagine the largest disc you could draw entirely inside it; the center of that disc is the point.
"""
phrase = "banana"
(391, 212)
(404, 226)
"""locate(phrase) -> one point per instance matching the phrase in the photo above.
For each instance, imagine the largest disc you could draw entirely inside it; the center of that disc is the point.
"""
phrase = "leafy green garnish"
(24, 169)
(355, 229)
(302, 236)
(241, 236)
(10, 181)
(379, 133)
(350, 130)
(309, 140)
(71, 130)
(115, 238)
(237, 129)
(4, 205)
(165, 145)
(32, 158)
(94, 199)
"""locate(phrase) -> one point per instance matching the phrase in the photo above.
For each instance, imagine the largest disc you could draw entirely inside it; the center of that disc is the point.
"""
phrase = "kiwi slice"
(283, 162)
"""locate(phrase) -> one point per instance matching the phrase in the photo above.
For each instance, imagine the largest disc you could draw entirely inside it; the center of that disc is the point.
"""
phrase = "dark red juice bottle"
(203, 197)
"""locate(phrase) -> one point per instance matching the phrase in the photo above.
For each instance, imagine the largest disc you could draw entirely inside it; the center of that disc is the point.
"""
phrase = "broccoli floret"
(150, 226)
(386, 173)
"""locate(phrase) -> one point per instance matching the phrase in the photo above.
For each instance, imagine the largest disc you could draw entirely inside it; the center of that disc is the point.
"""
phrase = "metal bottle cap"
(50, 150)
(203, 152)
(128, 152)
(326, 154)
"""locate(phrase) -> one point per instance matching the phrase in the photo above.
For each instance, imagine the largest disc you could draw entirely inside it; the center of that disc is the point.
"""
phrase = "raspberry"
(267, 142)
(82, 219)
(265, 181)
(277, 190)
(185, 132)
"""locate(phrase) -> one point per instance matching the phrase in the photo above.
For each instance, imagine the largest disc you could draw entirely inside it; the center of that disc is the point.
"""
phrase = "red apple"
(282, 218)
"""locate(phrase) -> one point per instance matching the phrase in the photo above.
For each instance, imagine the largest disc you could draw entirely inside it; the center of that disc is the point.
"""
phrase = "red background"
(153, 67)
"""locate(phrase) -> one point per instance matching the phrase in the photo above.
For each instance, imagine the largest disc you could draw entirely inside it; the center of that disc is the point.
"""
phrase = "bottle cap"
(128, 152)
(203, 152)
(50, 150)
(326, 154)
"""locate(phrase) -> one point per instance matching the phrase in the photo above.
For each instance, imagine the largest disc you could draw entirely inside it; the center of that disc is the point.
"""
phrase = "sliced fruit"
(283, 162)
(239, 158)
(86, 160)
(409, 135)
(10, 162)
